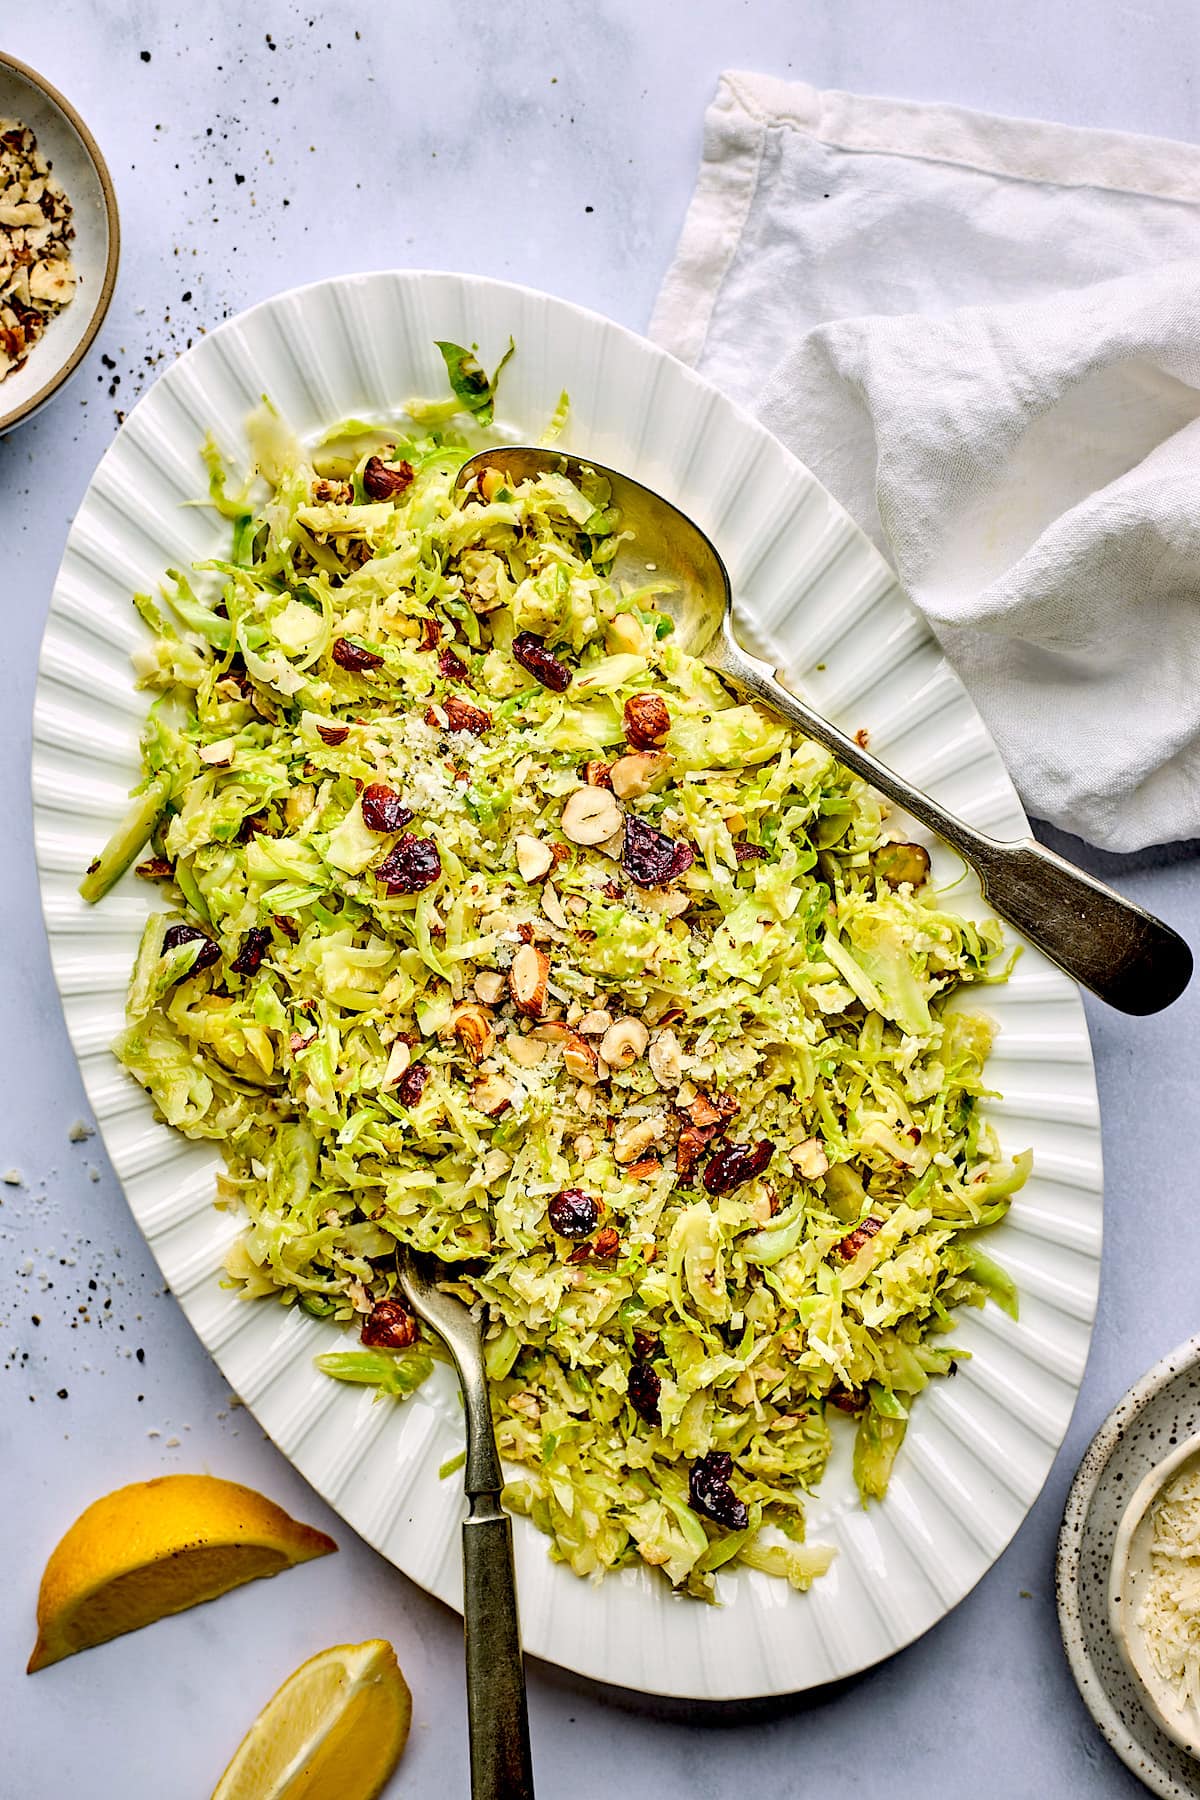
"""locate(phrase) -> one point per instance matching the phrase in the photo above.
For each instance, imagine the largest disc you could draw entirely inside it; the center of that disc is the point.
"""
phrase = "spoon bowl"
(1129, 958)
(662, 540)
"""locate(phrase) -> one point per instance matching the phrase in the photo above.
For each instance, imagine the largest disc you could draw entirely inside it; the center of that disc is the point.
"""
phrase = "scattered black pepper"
(62, 1393)
(145, 56)
(140, 1354)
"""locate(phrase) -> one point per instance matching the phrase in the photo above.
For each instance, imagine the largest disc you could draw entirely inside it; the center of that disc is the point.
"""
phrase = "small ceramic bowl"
(69, 146)
(1128, 1580)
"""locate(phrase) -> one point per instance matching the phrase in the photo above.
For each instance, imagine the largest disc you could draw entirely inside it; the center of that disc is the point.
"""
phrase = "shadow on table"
(1110, 865)
(717, 1714)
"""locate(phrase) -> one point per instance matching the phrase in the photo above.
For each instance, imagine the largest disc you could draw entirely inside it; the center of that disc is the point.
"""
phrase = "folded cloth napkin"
(983, 335)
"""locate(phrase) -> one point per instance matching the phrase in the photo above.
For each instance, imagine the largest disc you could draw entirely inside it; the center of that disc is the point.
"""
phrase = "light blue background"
(444, 135)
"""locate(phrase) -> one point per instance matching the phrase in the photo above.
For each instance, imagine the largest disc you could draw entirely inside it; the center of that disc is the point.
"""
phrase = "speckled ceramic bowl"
(66, 142)
(1153, 1420)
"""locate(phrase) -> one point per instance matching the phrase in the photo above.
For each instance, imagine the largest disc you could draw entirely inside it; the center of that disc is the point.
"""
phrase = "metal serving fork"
(498, 1720)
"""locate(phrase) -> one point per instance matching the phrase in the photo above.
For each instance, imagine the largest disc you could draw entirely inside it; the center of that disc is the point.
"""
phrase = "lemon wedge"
(158, 1547)
(333, 1731)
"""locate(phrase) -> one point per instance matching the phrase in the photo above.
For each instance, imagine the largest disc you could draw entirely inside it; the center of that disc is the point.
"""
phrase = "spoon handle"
(1123, 954)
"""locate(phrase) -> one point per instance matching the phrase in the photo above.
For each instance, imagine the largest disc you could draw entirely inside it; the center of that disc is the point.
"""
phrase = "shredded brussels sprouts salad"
(496, 926)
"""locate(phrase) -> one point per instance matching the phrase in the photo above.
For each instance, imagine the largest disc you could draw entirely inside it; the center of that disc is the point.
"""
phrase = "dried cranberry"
(353, 657)
(413, 864)
(452, 667)
(411, 1085)
(747, 852)
(386, 481)
(645, 1345)
(532, 654)
(650, 857)
(333, 734)
(155, 868)
(251, 826)
(253, 948)
(647, 721)
(389, 1326)
(573, 1214)
(187, 934)
(383, 809)
(853, 1241)
(847, 1400)
(711, 1494)
(644, 1390)
(287, 926)
(735, 1164)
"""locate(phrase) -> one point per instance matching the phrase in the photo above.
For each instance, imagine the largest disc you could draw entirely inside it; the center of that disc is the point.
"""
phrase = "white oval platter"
(812, 591)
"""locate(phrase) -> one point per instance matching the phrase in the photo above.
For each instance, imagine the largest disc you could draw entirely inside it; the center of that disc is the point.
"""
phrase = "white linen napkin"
(983, 335)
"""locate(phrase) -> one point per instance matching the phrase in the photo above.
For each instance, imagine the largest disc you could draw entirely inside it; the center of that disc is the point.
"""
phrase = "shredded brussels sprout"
(498, 927)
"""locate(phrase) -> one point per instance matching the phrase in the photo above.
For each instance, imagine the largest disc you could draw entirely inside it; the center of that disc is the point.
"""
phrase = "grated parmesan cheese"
(1169, 1616)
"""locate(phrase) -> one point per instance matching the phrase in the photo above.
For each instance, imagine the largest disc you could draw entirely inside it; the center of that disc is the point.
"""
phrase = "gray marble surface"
(555, 144)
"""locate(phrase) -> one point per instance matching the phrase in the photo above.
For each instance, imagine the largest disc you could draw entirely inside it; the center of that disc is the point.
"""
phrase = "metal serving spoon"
(498, 1721)
(1125, 955)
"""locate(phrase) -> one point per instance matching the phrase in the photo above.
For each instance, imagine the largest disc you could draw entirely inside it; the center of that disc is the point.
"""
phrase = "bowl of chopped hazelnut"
(59, 241)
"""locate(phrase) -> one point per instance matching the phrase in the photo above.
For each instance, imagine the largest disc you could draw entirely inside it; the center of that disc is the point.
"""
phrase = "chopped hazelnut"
(535, 858)
(624, 1042)
(666, 1059)
(492, 1095)
(218, 755)
(810, 1159)
(579, 1059)
(594, 1024)
(633, 1141)
(590, 815)
(634, 774)
(623, 635)
(528, 979)
(398, 1060)
(472, 1026)
(552, 906)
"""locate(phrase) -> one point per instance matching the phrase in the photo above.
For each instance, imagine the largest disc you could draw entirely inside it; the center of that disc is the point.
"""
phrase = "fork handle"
(1125, 955)
(498, 1719)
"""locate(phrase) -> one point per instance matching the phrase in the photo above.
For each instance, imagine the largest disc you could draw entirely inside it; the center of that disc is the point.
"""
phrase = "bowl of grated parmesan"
(59, 241)
(1154, 1592)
